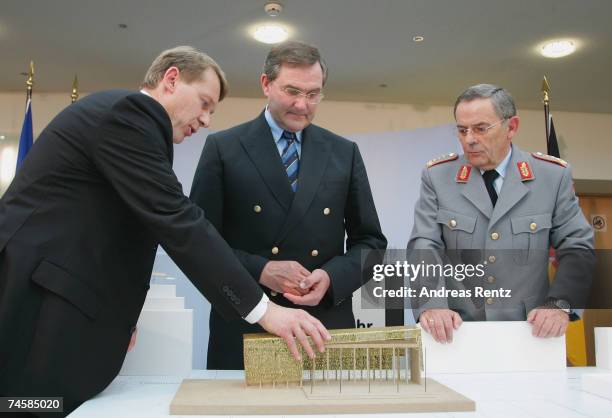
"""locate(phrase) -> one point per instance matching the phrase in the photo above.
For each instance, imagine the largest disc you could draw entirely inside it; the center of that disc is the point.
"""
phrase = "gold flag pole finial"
(30, 80)
(545, 90)
(75, 90)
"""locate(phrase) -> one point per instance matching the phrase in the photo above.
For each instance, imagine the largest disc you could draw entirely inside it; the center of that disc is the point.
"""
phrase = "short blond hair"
(191, 64)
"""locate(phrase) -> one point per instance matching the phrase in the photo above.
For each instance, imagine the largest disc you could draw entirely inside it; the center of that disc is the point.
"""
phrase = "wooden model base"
(233, 397)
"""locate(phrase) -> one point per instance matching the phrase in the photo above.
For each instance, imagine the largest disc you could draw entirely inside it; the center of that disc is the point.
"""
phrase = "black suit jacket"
(243, 188)
(79, 229)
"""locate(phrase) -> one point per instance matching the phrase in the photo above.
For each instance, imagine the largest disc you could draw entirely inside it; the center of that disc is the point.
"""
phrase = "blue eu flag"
(27, 135)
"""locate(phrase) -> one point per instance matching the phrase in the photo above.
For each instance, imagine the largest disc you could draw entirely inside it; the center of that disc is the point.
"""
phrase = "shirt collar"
(501, 168)
(143, 91)
(277, 131)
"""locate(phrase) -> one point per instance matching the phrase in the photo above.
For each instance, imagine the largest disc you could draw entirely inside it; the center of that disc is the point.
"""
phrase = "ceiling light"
(270, 34)
(2, 137)
(418, 38)
(558, 48)
(273, 8)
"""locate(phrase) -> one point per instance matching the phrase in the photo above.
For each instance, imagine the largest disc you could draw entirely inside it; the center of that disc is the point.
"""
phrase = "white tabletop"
(497, 395)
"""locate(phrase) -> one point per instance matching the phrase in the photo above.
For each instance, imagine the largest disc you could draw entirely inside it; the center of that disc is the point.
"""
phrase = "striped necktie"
(290, 158)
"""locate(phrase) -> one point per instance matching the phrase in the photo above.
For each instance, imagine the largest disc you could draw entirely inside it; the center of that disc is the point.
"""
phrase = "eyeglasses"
(311, 98)
(478, 130)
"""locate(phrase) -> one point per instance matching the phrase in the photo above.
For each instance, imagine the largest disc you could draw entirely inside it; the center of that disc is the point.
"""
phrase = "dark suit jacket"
(243, 188)
(79, 228)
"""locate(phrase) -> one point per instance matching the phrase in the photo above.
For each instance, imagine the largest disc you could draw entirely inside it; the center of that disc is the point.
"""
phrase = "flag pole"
(546, 100)
(30, 82)
(75, 90)
(26, 139)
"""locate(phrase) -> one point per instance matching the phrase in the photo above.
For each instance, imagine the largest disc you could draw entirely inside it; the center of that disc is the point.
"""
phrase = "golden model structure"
(366, 370)
(376, 353)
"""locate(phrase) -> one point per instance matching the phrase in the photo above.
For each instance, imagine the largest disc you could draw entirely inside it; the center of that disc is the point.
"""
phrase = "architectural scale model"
(365, 370)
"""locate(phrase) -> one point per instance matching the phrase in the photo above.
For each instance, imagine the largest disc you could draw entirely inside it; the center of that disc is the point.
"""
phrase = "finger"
(292, 291)
(557, 331)
(440, 329)
(292, 347)
(293, 298)
(309, 281)
(448, 327)
(547, 326)
(537, 323)
(424, 321)
(533, 314)
(315, 335)
(322, 330)
(457, 321)
(563, 329)
(306, 300)
(301, 337)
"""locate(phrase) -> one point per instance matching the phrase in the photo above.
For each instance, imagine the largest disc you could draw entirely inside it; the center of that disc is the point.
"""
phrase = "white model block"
(164, 342)
(164, 303)
(483, 347)
(603, 347)
(162, 291)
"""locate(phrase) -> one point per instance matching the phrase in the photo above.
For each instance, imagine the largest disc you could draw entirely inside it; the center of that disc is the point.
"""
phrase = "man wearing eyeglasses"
(283, 193)
(501, 208)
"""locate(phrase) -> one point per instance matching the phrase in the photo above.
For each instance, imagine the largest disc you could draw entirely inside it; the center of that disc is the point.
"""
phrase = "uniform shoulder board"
(549, 158)
(443, 159)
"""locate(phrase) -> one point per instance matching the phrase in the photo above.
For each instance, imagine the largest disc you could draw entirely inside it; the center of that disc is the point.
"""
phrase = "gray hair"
(500, 98)
(191, 64)
(294, 53)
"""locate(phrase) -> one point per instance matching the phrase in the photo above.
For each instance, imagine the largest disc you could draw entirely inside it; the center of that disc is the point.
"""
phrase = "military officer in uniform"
(510, 207)
(283, 193)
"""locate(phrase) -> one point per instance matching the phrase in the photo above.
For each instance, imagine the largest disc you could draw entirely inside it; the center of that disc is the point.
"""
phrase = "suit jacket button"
(533, 226)
(314, 253)
(257, 209)
(489, 301)
(274, 250)
(494, 236)
(452, 223)
(326, 211)
(492, 259)
(491, 279)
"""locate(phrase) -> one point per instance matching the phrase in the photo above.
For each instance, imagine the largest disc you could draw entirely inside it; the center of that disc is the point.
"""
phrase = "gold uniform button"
(491, 259)
(326, 211)
(489, 301)
(256, 208)
(533, 226)
(452, 223)
(314, 253)
(494, 236)
(275, 250)
(491, 279)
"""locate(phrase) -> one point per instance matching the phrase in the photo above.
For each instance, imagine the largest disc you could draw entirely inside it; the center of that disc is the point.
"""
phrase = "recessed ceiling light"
(418, 38)
(558, 48)
(270, 34)
(2, 137)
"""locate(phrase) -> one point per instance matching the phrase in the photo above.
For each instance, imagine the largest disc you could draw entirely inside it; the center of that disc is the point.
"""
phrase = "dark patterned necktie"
(290, 158)
(489, 177)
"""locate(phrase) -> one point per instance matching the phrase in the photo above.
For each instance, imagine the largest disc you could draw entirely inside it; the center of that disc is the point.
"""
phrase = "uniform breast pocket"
(457, 229)
(530, 236)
